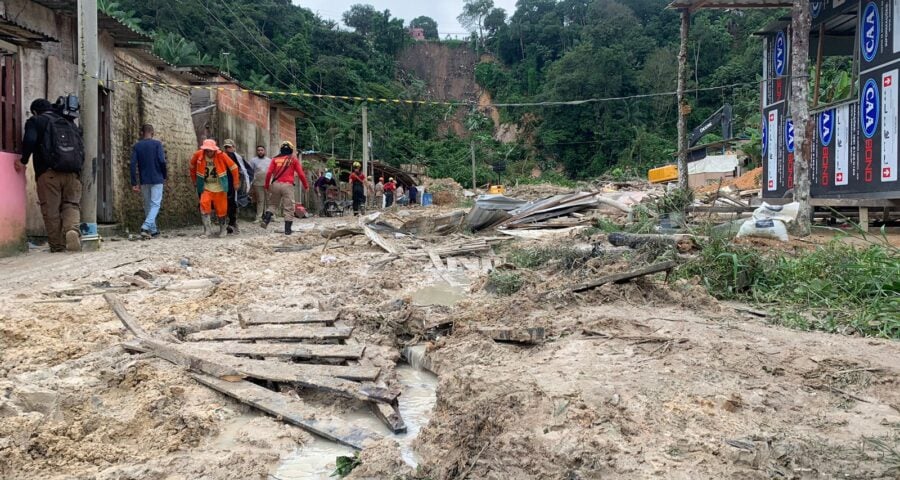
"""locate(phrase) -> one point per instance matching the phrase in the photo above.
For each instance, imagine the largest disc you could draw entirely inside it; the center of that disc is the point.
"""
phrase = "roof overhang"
(16, 33)
(120, 32)
(694, 5)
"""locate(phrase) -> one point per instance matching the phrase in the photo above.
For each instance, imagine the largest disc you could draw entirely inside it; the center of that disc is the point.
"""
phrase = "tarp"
(714, 164)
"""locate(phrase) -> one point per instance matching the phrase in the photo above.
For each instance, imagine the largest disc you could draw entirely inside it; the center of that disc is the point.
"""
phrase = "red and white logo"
(840, 177)
(771, 117)
(888, 81)
(886, 172)
(771, 183)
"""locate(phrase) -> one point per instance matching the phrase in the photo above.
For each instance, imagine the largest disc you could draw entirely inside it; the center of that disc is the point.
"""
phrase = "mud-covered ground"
(641, 380)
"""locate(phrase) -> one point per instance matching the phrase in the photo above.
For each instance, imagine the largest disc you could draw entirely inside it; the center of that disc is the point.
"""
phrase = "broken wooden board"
(273, 333)
(387, 246)
(290, 411)
(532, 336)
(452, 264)
(436, 260)
(621, 277)
(129, 321)
(390, 415)
(278, 371)
(262, 318)
(289, 350)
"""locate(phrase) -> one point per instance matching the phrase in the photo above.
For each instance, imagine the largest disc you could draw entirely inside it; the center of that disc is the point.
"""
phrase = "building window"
(10, 104)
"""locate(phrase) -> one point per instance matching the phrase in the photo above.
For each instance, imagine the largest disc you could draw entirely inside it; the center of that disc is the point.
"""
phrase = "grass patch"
(505, 283)
(569, 258)
(837, 287)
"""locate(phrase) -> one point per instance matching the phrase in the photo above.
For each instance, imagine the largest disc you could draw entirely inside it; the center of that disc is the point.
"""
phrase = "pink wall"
(12, 205)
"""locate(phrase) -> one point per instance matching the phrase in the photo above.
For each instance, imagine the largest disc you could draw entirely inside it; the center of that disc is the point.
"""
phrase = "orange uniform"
(211, 180)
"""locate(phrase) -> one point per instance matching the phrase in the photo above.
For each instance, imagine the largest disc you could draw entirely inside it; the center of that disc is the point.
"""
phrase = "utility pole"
(472, 149)
(683, 107)
(90, 119)
(365, 152)
(804, 127)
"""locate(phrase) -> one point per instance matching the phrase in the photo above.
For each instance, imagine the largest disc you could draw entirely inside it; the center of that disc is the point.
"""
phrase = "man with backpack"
(148, 160)
(237, 197)
(280, 185)
(58, 149)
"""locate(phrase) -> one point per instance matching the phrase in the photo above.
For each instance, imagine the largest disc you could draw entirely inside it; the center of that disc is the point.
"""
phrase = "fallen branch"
(621, 277)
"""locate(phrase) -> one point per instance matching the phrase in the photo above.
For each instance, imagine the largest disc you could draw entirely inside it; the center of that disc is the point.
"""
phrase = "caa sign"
(780, 54)
(869, 108)
(816, 8)
(826, 127)
(871, 28)
(789, 135)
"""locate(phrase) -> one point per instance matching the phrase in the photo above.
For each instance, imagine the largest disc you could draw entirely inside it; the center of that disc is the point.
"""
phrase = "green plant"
(836, 287)
(345, 465)
(568, 257)
(505, 283)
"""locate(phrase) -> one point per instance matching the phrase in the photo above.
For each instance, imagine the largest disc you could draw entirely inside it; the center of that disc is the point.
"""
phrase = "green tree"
(361, 18)
(428, 25)
(473, 14)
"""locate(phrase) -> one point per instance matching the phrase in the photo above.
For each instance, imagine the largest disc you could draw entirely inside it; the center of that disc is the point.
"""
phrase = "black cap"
(40, 105)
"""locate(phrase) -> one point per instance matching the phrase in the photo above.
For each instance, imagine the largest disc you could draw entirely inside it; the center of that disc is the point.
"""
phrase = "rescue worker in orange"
(210, 168)
(280, 185)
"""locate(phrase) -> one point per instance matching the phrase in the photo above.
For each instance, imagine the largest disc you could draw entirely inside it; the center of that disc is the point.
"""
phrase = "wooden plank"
(390, 415)
(470, 264)
(864, 218)
(436, 260)
(452, 264)
(532, 336)
(291, 411)
(262, 318)
(129, 321)
(854, 202)
(485, 265)
(288, 350)
(273, 333)
(621, 277)
(278, 371)
(380, 241)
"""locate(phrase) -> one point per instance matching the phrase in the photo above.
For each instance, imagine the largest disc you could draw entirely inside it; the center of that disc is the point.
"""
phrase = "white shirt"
(260, 168)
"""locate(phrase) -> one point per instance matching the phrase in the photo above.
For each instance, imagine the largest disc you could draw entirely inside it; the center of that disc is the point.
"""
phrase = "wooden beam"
(273, 333)
(390, 415)
(289, 350)
(291, 411)
(260, 318)
(621, 277)
(129, 321)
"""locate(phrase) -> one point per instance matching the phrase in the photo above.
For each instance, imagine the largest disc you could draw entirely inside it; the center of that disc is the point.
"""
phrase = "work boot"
(207, 226)
(266, 219)
(288, 227)
(73, 241)
(235, 229)
(223, 224)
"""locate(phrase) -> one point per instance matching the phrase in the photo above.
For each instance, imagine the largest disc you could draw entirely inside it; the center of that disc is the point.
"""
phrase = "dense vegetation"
(546, 50)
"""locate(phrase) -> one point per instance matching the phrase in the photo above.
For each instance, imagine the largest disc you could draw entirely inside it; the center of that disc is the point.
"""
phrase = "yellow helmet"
(287, 143)
(356, 164)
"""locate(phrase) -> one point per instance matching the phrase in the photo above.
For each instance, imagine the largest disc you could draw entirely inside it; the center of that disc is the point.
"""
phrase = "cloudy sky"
(444, 12)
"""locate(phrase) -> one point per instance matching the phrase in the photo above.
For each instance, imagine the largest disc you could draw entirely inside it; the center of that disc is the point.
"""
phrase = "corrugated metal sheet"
(708, 4)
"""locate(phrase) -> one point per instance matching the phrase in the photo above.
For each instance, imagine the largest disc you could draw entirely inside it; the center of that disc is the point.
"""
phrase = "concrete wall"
(168, 109)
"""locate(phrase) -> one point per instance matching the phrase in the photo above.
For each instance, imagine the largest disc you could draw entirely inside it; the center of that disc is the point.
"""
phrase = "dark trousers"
(359, 196)
(388, 199)
(232, 210)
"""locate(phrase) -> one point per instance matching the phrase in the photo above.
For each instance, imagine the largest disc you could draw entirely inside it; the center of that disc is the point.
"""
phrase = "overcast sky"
(444, 12)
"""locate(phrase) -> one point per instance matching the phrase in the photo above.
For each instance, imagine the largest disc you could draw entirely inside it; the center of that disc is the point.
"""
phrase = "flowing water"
(316, 461)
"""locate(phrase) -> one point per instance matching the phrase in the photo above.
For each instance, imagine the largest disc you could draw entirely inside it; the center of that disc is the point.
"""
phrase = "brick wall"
(247, 106)
(168, 110)
(287, 127)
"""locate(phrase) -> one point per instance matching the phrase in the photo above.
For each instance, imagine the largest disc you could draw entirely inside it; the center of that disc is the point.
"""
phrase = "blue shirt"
(148, 158)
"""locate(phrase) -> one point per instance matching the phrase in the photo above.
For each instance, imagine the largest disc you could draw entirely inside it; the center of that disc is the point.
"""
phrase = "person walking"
(212, 171)
(237, 196)
(148, 161)
(260, 165)
(58, 149)
(358, 187)
(389, 188)
(280, 185)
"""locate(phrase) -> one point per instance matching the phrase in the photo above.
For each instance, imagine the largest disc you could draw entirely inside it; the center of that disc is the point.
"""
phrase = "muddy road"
(639, 380)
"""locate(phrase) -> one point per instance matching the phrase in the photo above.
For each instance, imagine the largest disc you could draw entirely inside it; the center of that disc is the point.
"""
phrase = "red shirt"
(390, 187)
(361, 178)
(286, 174)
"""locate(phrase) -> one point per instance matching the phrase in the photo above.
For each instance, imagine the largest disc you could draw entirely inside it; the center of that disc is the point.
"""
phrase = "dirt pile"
(445, 191)
(748, 181)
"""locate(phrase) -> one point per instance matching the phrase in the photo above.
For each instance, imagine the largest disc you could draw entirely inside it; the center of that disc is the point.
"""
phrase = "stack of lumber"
(301, 349)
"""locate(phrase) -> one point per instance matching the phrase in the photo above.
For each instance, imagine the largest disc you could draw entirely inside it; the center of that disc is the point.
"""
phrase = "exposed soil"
(640, 380)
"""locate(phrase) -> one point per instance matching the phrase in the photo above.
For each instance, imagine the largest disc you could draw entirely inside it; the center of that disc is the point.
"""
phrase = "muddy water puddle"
(316, 461)
(443, 294)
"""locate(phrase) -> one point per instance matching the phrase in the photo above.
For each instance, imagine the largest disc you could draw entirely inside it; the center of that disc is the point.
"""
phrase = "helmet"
(328, 175)
(288, 144)
(356, 165)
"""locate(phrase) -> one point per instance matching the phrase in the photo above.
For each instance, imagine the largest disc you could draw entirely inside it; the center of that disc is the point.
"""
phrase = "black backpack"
(63, 146)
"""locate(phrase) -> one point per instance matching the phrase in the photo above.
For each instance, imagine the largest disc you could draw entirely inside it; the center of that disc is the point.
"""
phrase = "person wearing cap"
(379, 193)
(212, 171)
(237, 197)
(389, 188)
(58, 189)
(280, 185)
(321, 186)
(260, 165)
(358, 187)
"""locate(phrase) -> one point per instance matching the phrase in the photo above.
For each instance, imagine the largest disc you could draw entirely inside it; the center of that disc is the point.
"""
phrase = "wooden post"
(474, 185)
(803, 127)
(365, 134)
(683, 107)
